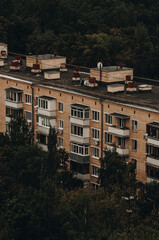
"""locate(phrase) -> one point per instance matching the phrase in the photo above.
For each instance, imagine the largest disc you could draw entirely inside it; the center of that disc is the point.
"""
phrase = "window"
(95, 115)
(108, 118)
(43, 103)
(79, 113)
(76, 130)
(44, 121)
(37, 118)
(28, 115)
(95, 170)
(121, 122)
(135, 162)
(7, 128)
(108, 137)
(79, 149)
(60, 142)
(27, 98)
(134, 125)
(60, 107)
(95, 152)
(134, 145)
(61, 124)
(37, 101)
(7, 111)
(95, 133)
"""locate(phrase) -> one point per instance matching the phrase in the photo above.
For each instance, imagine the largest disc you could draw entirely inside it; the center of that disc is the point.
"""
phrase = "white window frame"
(78, 148)
(60, 124)
(95, 115)
(28, 98)
(60, 142)
(44, 122)
(134, 125)
(94, 169)
(95, 152)
(28, 120)
(42, 103)
(60, 106)
(95, 133)
(108, 119)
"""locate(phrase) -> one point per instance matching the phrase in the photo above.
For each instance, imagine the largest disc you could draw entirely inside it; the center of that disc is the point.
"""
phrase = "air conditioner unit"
(60, 131)
(145, 136)
(96, 142)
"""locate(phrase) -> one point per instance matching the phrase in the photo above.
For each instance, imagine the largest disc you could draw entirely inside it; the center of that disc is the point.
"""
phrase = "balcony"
(44, 130)
(14, 98)
(151, 179)
(46, 112)
(152, 160)
(47, 106)
(79, 158)
(12, 104)
(79, 115)
(119, 132)
(83, 177)
(43, 146)
(79, 139)
(122, 151)
(153, 141)
(78, 121)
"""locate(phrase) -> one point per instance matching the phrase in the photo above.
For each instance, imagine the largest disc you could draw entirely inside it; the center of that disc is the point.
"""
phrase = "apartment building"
(90, 116)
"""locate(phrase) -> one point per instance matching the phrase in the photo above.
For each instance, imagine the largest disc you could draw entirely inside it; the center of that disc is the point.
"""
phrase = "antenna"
(100, 66)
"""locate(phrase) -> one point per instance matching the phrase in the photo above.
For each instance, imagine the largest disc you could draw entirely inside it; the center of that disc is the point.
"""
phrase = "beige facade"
(86, 125)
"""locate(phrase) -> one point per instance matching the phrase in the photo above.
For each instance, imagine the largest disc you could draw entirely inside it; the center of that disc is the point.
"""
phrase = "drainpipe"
(101, 127)
(32, 90)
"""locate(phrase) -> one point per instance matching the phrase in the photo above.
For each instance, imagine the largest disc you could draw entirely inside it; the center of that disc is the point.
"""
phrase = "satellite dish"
(100, 65)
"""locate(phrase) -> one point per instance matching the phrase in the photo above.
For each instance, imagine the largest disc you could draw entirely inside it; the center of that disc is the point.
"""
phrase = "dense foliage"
(39, 201)
(86, 31)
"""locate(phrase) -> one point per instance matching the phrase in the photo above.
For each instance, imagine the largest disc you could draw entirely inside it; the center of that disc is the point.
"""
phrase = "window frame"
(134, 145)
(28, 99)
(95, 115)
(108, 119)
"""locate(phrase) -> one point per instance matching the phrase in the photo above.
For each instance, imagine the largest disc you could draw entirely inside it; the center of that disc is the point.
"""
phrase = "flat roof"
(14, 89)
(80, 106)
(47, 97)
(45, 56)
(113, 68)
(145, 100)
(154, 124)
(119, 115)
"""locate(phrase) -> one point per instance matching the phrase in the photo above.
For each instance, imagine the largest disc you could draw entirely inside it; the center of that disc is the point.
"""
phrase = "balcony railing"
(153, 160)
(153, 141)
(79, 121)
(119, 131)
(12, 104)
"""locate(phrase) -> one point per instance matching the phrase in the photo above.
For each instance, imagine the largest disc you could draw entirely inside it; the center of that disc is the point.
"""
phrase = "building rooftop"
(112, 68)
(45, 56)
(147, 100)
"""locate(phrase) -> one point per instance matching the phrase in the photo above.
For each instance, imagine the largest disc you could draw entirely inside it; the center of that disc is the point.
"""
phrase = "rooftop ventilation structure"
(91, 82)
(63, 67)
(50, 75)
(114, 88)
(3, 50)
(1, 63)
(131, 88)
(36, 68)
(144, 88)
(76, 74)
(15, 66)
